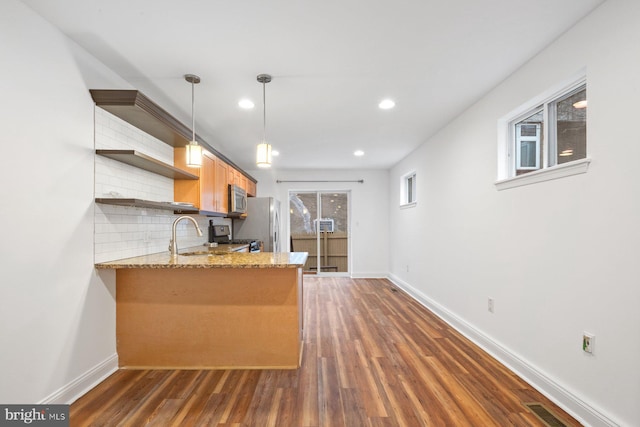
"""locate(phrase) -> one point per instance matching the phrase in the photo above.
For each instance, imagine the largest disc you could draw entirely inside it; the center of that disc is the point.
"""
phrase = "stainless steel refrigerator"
(262, 223)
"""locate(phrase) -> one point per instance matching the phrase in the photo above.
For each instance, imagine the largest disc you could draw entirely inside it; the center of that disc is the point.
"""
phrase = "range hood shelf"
(142, 161)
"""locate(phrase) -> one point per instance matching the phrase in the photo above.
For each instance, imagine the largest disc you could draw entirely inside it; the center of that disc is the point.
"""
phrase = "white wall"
(369, 212)
(559, 257)
(57, 317)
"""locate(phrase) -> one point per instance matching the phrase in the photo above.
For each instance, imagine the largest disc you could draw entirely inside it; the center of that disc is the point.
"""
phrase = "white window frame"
(519, 139)
(408, 190)
(506, 161)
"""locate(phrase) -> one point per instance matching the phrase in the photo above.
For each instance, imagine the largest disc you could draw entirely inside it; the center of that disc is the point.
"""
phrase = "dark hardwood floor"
(372, 357)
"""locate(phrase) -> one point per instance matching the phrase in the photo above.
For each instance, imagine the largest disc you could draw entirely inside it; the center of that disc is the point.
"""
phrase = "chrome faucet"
(173, 244)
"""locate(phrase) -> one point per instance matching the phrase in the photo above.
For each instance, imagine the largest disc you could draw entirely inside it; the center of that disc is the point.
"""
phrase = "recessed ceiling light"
(358, 153)
(386, 104)
(275, 153)
(246, 104)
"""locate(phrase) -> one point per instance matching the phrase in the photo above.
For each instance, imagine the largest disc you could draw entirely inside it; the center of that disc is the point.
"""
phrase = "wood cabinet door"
(207, 182)
(237, 178)
(251, 188)
(241, 180)
(231, 173)
(222, 187)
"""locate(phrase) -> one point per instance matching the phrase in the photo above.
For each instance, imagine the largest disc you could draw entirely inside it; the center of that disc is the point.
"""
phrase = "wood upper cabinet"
(201, 192)
(237, 178)
(210, 193)
(221, 195)
(208, 182)
(251, 188)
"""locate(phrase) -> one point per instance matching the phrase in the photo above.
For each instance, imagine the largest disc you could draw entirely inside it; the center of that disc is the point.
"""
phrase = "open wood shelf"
(135, 108)
(142, 161)
(139, 203)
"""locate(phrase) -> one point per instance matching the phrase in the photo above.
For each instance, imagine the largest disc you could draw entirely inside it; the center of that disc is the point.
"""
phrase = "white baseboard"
(81, 385)
(572, 404)
(370, 275)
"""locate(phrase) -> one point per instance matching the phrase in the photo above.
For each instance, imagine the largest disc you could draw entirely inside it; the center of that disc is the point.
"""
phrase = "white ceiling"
(332, 61)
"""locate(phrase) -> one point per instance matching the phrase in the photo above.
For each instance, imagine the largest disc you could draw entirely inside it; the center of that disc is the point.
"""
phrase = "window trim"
(553, 172)
(506, 158)
(404, 190)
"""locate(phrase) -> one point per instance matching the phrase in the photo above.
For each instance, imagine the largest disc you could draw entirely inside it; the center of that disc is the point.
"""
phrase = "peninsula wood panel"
(208, 318)
(372, 357)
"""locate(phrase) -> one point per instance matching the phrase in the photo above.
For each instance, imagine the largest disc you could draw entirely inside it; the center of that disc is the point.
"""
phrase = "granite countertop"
(211, 258)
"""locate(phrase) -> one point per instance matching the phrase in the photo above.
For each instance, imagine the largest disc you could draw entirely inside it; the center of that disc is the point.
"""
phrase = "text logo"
(34, 415)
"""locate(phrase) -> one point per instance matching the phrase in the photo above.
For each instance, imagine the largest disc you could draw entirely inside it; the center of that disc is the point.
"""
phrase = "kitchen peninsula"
(210, 310)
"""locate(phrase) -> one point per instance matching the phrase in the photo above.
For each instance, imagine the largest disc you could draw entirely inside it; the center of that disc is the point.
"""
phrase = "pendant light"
(194, 151)
(263, 154)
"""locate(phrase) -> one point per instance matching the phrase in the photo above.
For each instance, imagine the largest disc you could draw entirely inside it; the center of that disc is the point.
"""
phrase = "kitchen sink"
(195, 253)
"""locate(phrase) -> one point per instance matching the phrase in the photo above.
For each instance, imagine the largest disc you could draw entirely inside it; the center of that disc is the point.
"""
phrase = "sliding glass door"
(319, 225)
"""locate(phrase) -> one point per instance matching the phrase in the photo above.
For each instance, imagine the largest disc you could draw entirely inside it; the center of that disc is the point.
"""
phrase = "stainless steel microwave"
(237, 200)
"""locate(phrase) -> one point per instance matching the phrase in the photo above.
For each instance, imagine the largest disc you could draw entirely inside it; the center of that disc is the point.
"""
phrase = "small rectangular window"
(570, 112)
(550, 134)
(409, 195)
(545, 138)
(528, 143)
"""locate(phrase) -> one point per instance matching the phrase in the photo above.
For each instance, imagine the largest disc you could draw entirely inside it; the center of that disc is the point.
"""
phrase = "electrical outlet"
(407, 268)
(588, 342)
(490, 305)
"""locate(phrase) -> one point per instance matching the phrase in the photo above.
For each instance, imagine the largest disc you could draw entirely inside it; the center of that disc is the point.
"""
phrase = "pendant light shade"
(263, 151)
(263, 155)
(194, 155)
(194, 151)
